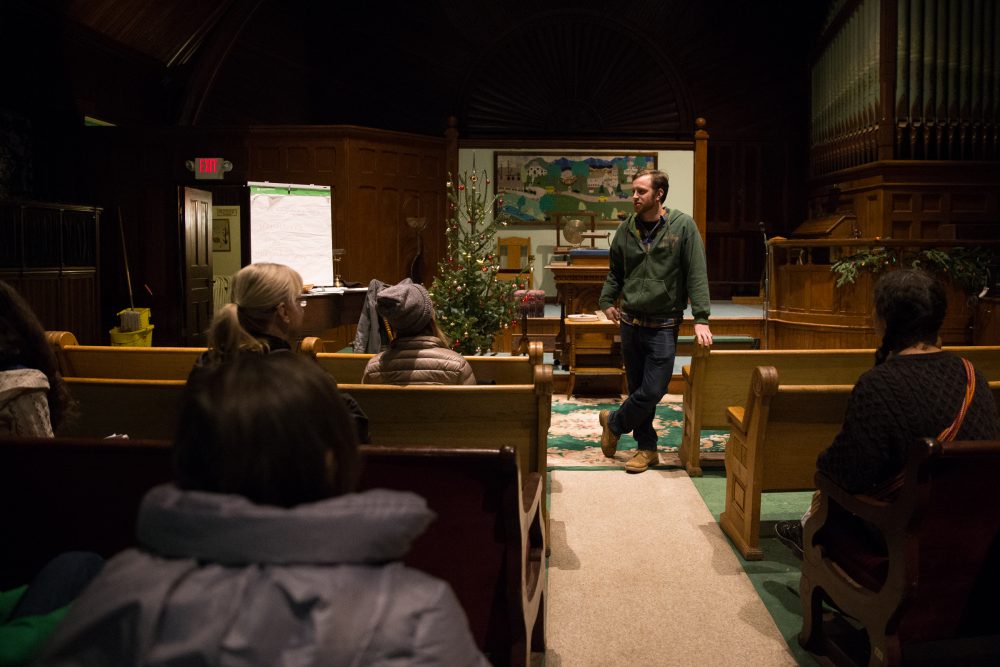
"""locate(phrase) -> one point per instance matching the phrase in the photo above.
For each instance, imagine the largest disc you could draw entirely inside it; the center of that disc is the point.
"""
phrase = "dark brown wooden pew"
(72, 494)
(923, 577)
(716, 379)
(487, 541)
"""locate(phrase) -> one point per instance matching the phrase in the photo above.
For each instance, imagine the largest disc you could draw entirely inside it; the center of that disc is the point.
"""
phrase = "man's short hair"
(659, 180)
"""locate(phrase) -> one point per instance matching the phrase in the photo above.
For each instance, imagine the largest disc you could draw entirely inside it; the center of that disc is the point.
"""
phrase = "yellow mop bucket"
(134, 329)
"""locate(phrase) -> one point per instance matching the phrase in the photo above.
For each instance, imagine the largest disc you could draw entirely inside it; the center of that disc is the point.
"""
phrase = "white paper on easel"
(293, 229)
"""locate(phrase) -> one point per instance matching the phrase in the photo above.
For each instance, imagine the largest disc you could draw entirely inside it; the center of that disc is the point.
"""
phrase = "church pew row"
(121, 362)
(417, 415)
(349, 367)
(487, 541)
(715, 380)
(776, 436)
(175, 363)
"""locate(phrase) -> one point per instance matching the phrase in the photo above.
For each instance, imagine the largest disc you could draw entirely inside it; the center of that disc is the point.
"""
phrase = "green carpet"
(776, 576)
(575, 434)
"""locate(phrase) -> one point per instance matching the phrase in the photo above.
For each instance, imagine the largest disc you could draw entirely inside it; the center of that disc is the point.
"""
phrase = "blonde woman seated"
(417, 354)
(264, 316)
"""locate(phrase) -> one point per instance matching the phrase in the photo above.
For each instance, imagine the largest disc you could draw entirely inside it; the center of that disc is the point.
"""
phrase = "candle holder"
(338, 255)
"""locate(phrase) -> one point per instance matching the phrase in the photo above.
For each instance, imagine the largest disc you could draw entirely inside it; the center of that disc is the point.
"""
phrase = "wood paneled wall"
(915, 199)
(49, 254)
(750, 194)
(388, 181)
(377, 179)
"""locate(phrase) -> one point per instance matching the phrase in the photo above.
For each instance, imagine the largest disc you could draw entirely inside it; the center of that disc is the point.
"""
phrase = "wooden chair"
(918, 569)
(512, 266)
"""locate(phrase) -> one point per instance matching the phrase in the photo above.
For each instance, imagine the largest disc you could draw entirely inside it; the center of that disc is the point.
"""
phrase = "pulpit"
(578, 286)
(333, 316)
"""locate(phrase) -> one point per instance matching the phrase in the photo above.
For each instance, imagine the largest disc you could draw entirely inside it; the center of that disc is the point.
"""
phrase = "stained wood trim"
(701, 177)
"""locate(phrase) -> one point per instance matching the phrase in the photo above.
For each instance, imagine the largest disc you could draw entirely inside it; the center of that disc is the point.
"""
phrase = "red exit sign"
(209, 168)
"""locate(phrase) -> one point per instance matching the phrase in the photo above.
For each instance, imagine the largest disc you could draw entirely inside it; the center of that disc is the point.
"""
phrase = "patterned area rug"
(575, 435)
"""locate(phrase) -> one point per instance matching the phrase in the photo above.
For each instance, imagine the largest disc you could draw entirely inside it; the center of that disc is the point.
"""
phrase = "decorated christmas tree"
(471, 302)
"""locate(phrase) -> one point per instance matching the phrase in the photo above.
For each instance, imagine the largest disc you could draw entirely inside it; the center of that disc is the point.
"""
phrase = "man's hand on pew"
(703, 335)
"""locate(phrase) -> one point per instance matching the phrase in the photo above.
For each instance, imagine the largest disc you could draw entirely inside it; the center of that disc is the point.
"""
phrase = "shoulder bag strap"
(970, 390)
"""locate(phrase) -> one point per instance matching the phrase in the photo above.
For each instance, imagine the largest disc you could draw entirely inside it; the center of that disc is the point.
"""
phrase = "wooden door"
(197, 244)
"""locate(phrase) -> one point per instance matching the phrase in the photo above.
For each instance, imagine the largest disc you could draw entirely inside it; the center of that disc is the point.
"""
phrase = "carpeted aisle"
(641, 574)
(575, 434)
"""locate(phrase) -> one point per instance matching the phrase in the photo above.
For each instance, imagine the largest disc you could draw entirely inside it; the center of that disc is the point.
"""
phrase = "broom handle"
(128, 274)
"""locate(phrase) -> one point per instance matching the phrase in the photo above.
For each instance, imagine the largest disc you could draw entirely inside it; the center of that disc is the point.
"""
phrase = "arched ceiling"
(505, 69)
(571, 73)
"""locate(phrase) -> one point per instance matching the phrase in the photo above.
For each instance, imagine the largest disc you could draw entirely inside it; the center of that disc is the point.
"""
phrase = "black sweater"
(905, 398)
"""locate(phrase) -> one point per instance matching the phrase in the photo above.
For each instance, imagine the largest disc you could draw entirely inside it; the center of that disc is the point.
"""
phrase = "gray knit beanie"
(406, 306)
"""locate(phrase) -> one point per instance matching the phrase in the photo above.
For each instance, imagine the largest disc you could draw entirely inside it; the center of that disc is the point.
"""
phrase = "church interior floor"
(641, 573)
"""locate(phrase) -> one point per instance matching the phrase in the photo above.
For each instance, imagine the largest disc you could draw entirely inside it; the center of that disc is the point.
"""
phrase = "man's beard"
(645, 209)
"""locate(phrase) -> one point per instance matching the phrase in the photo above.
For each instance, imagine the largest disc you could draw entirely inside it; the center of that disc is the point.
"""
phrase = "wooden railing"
(806, 309)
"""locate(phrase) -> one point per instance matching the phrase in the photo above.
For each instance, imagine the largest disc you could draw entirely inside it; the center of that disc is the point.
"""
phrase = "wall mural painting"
(532, 185)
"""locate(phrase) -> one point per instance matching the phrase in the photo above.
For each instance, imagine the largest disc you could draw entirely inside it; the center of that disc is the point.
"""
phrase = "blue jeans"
(649, 364)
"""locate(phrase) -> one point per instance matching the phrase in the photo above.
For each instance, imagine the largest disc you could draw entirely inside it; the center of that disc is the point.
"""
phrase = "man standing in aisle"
(657, 263)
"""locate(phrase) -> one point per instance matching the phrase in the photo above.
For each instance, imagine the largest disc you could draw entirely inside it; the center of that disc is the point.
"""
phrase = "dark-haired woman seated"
(916, 390)
(262, 553)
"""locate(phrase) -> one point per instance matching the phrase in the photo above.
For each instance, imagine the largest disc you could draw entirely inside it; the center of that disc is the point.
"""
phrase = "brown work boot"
(642, 460)
(609, 439)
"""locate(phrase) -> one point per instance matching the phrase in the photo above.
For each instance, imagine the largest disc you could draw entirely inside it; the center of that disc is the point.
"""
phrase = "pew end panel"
(775, 440)
(488, 540)
(920, 573)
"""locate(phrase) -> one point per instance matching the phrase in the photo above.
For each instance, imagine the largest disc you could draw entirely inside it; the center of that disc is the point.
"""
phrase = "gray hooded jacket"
(225, 582)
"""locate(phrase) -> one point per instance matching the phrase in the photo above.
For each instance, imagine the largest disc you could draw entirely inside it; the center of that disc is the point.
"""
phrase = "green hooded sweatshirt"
(657, 281)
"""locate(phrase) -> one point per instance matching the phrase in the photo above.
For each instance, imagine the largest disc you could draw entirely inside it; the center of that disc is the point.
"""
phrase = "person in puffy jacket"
(417, 354)
(261, 553)
(34, 399)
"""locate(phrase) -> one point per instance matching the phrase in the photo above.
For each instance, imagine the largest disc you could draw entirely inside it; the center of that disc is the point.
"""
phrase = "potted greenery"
(966, 267)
